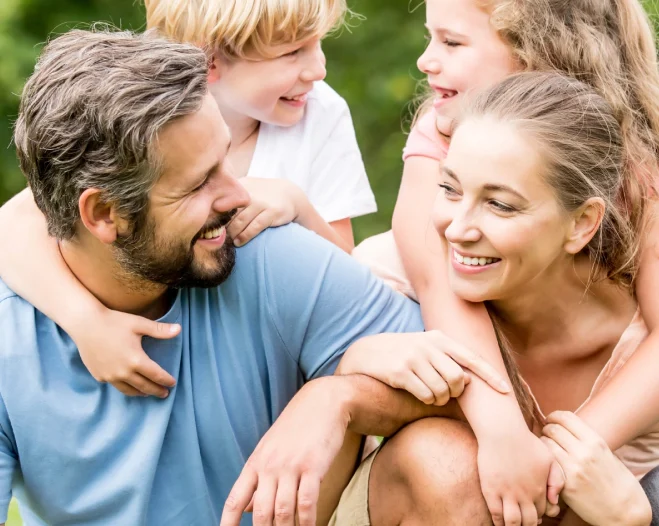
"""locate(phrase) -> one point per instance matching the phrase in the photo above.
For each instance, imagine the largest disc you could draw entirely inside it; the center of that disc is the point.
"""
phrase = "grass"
(14, 517)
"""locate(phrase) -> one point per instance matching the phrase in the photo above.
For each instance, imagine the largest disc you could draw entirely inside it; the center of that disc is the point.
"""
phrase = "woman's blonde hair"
(244, 28)
(582, 146)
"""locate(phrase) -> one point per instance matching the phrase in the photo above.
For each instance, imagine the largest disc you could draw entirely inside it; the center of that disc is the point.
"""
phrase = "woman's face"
(503, 223)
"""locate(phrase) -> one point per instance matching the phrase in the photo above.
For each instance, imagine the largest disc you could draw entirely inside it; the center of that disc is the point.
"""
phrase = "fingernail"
(505, 387)
(174, 328)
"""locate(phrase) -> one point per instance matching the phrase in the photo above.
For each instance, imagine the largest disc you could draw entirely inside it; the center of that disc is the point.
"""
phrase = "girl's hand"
(428, 365)
(112, 352)
(274, 202)
(598, 486)
(513, 466)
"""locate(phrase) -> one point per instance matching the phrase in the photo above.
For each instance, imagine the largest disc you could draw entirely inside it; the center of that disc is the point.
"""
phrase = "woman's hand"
(514, 467)
(428, 365)
(274, 202)
(598, 486)
(110, 345)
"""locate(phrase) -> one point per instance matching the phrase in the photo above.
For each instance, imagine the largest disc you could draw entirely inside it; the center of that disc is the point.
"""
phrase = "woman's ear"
(99, 217)
(585, 222)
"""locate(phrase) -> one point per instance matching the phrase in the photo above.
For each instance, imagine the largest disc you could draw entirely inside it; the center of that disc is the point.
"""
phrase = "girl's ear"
(585, 222)
(99, 217)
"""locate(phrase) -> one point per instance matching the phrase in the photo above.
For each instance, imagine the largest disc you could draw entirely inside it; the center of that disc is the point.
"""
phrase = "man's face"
(183, 242)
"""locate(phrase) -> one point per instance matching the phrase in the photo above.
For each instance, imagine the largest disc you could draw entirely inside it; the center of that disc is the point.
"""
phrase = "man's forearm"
(377, 409)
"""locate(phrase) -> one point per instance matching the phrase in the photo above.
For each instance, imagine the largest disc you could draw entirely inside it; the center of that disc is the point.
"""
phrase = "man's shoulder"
(17, 323)
(11, 304)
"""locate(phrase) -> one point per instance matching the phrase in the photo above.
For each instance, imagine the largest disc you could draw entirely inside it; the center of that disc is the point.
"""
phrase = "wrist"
(334, 396)
(635, 511)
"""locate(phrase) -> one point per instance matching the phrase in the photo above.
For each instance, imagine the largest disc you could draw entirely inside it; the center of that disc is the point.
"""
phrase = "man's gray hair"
(90, 115)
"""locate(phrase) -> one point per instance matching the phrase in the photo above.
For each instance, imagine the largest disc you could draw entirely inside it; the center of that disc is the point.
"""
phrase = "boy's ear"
(586, 220)
(99, 217)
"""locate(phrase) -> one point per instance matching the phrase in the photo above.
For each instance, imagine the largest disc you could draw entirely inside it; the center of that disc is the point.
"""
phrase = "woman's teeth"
(473, 261)
(212, 234)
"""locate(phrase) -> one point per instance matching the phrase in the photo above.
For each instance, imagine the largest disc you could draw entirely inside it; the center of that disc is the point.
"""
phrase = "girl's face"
(503, 224)
(271, 90)
(464, 53)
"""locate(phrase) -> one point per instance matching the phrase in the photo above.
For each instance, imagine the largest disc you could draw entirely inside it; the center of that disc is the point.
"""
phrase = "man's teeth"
(212, 234)
(473, 261)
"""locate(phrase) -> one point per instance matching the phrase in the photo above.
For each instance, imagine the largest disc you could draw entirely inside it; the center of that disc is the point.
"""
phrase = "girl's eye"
(448, 189)
(451, 43)
(502, 207)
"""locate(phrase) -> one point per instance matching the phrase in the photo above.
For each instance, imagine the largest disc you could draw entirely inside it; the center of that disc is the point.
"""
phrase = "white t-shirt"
(319, 154)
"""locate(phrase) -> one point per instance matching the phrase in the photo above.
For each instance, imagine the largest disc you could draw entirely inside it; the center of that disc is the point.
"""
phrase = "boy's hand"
(428, 365)
(274, 202)
(112, 352)
(514, 469)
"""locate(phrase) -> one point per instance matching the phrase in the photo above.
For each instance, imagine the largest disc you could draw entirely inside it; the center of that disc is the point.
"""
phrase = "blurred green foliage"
(373, 65)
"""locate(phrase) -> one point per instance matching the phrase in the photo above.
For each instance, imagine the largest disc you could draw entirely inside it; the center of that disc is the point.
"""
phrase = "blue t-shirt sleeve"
(8, 462)
(321, 300)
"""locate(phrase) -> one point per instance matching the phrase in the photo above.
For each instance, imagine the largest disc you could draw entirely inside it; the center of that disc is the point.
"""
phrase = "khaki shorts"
(353, 506)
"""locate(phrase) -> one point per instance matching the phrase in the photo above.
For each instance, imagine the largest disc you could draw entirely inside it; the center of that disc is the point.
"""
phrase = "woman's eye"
(448, 189)
(502, 207)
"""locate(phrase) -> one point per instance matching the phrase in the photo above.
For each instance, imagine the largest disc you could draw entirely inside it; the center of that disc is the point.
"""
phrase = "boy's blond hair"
(244, 28)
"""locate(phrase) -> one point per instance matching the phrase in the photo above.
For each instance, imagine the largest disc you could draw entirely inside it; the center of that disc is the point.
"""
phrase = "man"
(124, 149)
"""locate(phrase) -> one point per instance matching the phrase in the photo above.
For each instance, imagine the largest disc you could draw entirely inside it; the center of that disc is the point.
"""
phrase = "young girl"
(292, 137)
(608, 44)
(555, 253)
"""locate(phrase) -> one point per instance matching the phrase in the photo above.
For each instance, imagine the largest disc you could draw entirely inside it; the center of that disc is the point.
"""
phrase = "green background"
(373, 66)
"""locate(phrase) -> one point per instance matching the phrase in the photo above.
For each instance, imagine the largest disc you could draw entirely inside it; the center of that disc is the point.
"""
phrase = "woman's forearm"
(32, 266)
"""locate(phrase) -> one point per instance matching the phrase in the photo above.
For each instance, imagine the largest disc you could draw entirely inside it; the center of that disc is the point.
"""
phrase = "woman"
(533, 229)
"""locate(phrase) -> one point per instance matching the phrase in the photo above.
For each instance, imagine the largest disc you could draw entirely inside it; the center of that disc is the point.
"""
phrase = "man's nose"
(232, 195)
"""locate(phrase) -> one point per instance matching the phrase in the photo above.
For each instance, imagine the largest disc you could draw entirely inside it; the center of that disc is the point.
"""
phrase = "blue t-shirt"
(74, 451)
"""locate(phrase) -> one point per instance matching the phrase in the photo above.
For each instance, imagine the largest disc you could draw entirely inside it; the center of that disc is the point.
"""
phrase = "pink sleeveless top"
(424, 140)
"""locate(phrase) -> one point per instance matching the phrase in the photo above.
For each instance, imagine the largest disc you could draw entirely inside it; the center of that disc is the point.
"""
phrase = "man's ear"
(215, 69)
(99, 217)
(586, 220)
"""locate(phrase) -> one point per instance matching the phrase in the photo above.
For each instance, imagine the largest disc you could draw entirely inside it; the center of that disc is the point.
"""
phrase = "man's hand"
(282, 477)
(514, 469)
(274, 202)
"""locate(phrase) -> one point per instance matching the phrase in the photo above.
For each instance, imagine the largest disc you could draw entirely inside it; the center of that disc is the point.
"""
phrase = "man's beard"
(171, 262)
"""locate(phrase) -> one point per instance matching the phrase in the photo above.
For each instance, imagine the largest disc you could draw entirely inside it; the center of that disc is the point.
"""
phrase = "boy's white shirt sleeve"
(320, 154)
(339, 187)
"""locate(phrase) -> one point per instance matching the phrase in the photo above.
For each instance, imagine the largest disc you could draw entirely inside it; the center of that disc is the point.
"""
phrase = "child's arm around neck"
(32, 266)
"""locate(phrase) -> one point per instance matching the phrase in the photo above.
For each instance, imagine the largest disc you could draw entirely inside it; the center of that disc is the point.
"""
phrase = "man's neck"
(99, 273)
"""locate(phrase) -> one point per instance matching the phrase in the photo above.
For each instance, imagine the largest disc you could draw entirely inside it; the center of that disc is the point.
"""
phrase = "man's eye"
(202, 185)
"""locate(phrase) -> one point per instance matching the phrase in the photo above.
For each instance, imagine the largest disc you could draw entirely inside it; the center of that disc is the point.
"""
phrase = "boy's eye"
(292, 53)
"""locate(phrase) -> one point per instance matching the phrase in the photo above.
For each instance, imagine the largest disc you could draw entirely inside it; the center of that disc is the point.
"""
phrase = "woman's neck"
(556, 305)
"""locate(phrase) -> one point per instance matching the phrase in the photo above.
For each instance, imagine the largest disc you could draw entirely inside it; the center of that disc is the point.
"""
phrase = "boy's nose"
(314, 69)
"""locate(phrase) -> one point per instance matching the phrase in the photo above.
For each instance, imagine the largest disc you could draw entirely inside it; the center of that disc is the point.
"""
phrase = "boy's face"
(271, 90)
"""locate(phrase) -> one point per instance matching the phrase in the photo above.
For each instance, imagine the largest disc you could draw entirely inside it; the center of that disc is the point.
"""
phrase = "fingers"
(553, 510)
(433, 380)
(264, 500)
(479, 367)
(154, 373)
(415, 386)
(242, 219)
(555, 482)
(126, 389)
(262, 221)
(239, 498)
(159, 330)
(495, 505)
(512, 515)
(574, 425)
(529, 514)
(452, 374)
(566, 440)
(307, 500)
(286, 502)
(146, 386)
